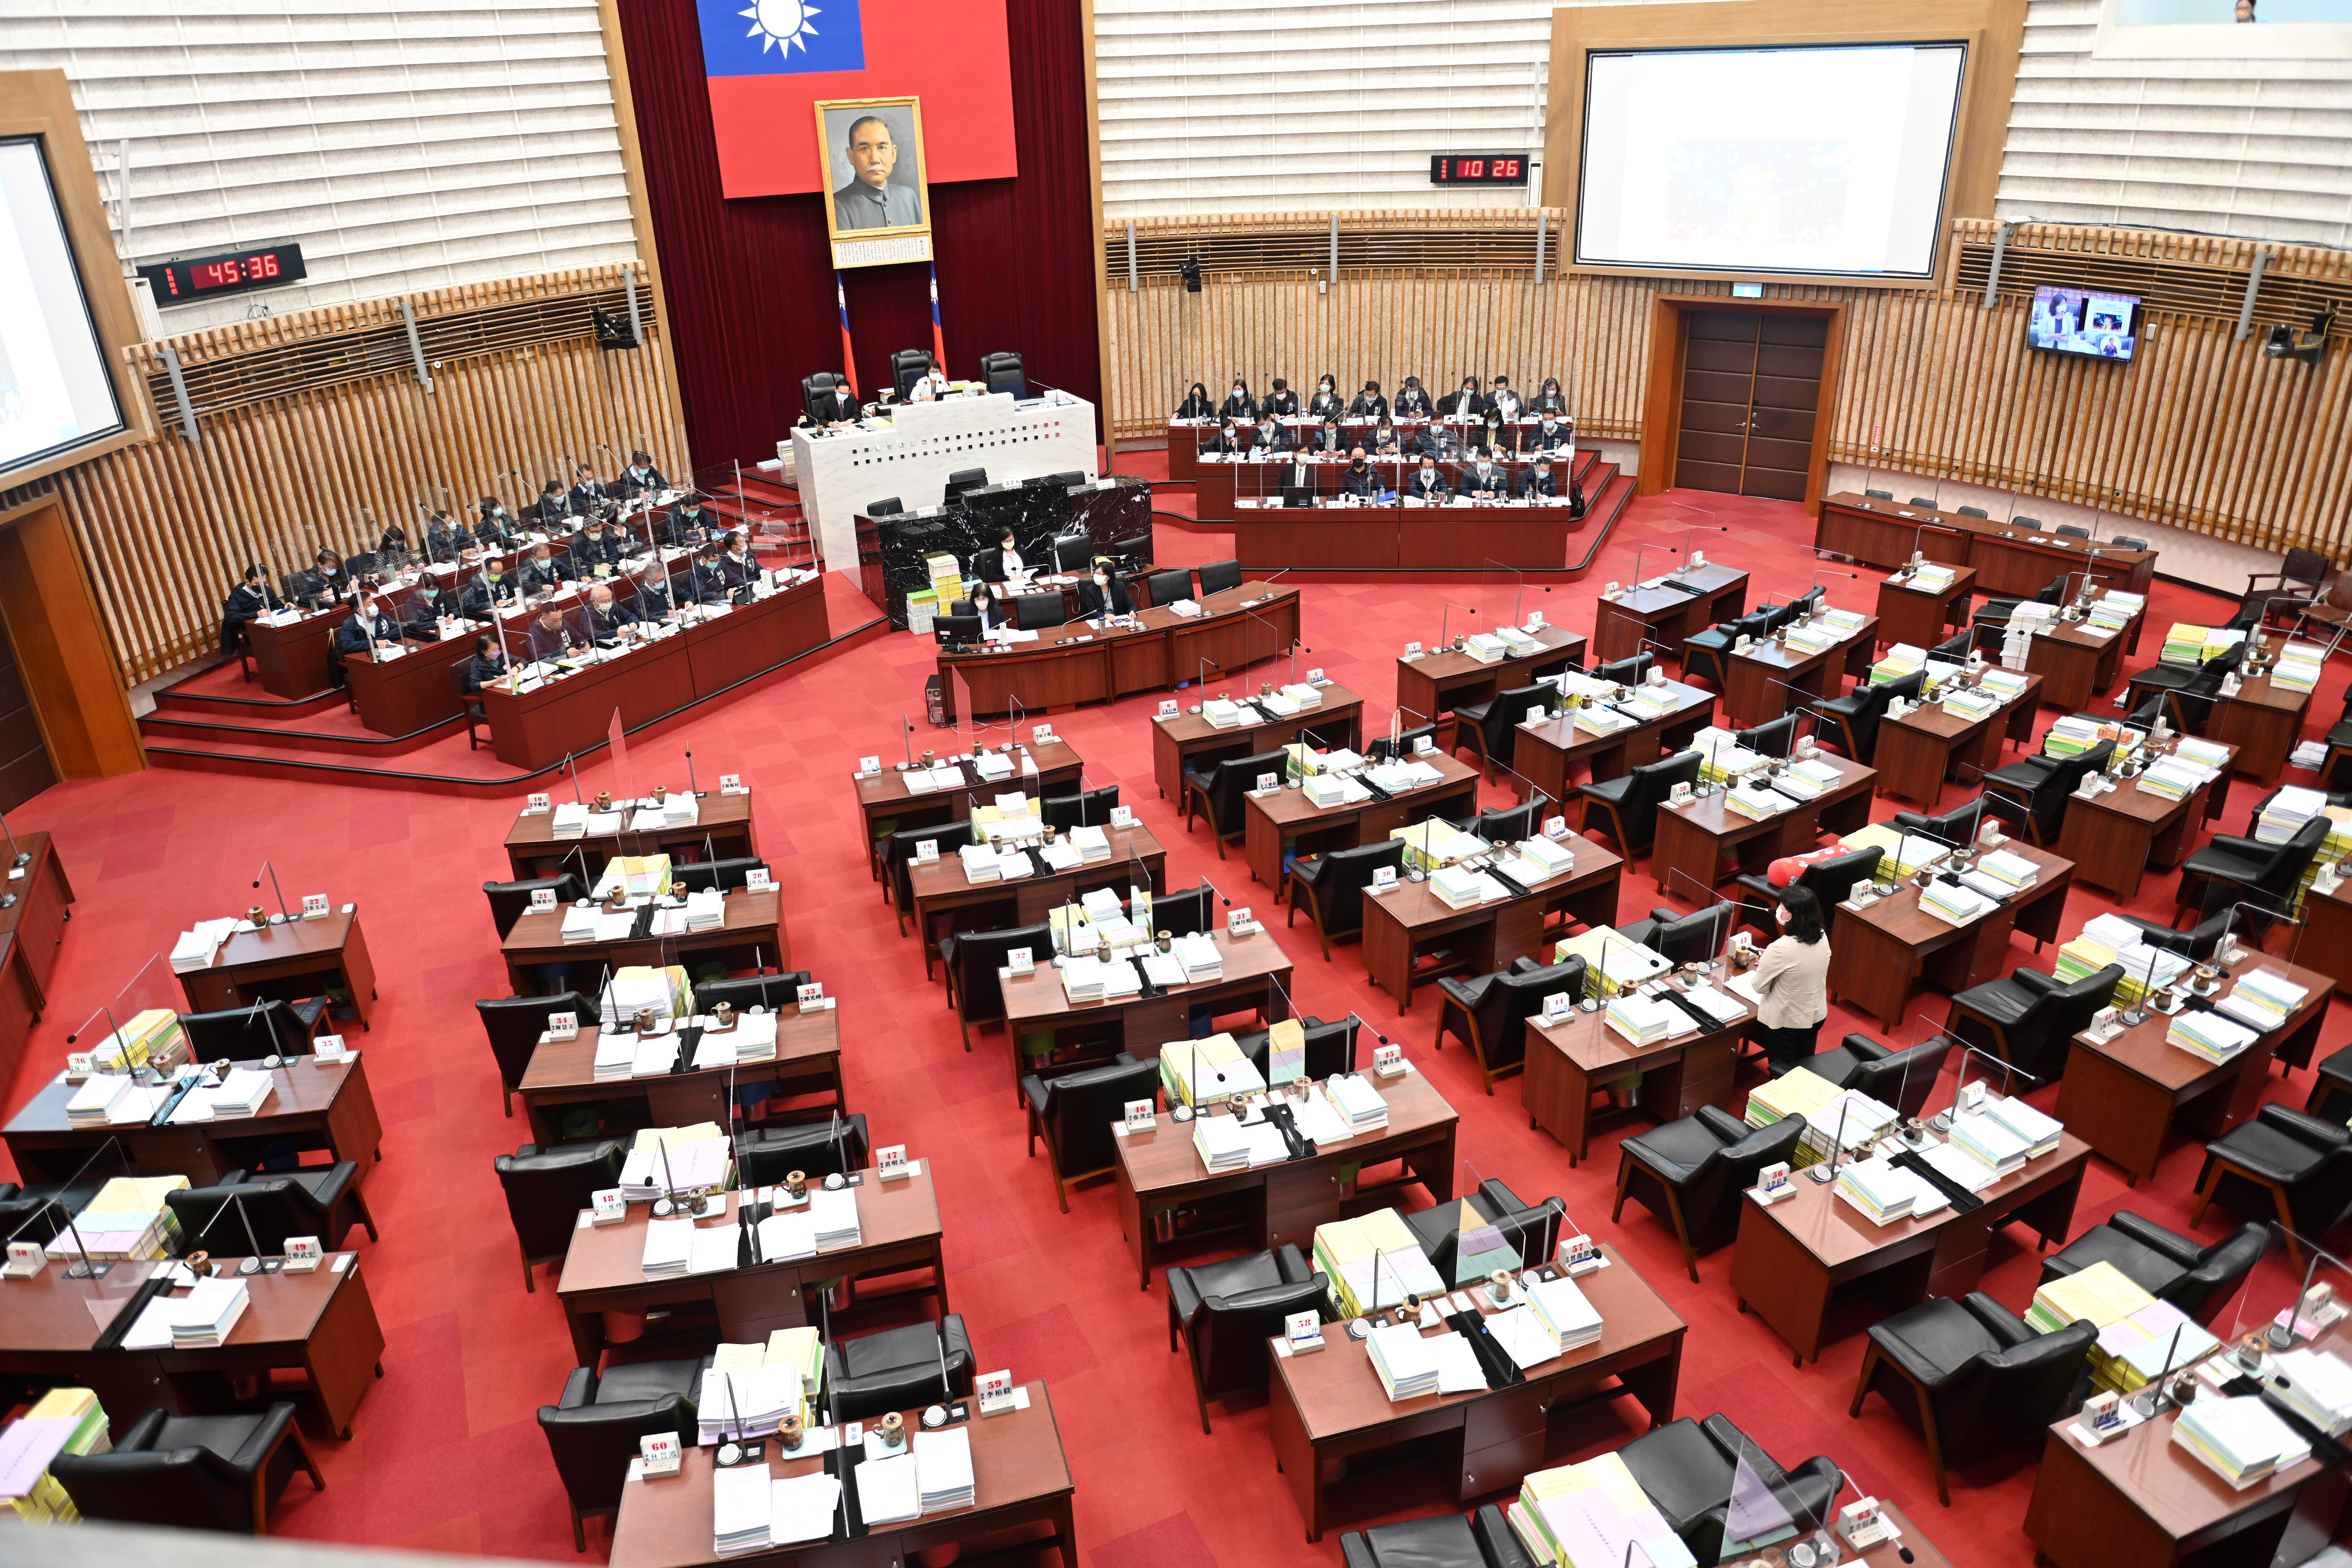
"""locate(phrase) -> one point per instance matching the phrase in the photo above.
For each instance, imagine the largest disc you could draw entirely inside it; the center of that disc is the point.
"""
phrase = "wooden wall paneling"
(60, 650)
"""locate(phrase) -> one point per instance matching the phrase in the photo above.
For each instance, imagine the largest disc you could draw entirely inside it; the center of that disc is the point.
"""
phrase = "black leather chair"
(1218, 793)
(1956, 826)
(963, 481)
(1530, 1229)
(547, 1188)
(888, 506)
(1076, 1110)
(1134, 552)
(593, 1429)
(766, 1155)
(514, 1024)
(1683, 938)
(1776, 739)
(1953, 649)
(1003, 373)
(2204, 676)
(1685, 1468)
(2029, 795)
(813, 387)
(1631, 671)
(38, 1216)
(1187, 913)
(1973, 512)
(1632, 800)
(1227, 1311)
(2330, 1100)
(1219, 576)
(2283, 1162)
(1333, 885)
(323, 1201)
(2199, 1281)
(1903, 1079)
(908, 366)
(972, 959)
(1037, 612)
(1972, 1376)
(1086, 808)
(1850, 722)
(2228, 869)
(1484, 1540)
(1492, 728)
(1691, 1172)
(1490, 1012)
(1828, 880)
(1507, 824)
(1167, 587)
(775, 991)
(899, 852)
(249, 1033)
(1991, 620)
(2029, 1020)
(1379, 749)
(1879, 495)
(1705, 651)
(898, 1369)
(510, 901)
(191, 1472)
(1330, 1047)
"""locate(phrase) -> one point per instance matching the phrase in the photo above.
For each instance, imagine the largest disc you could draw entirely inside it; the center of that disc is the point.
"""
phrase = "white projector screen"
(1828, 159)
(55, 392)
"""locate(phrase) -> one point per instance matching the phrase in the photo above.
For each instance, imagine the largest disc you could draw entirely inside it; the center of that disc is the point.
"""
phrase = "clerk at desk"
(542, 572)
(649, 595)
(1484, 481)
(548, 636)
(1102, 589)
(361, 631)
(1411, 401)
(1297, 474)
(249, 601)
(606, 617)
(421, 617)
(1540, 481)
(1358, 479)
(996, 565)
(1428, 487)
(491, 585)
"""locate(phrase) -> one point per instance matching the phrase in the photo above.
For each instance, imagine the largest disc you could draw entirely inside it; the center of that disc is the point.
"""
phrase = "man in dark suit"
(706, 580)
(556, 512)
(1411, 402)
(641, 477)
(444, 539)
(1359, 478)
(598, 549)
(1368, 404)
(363, 629)
(1428, 487)
(249, 601)
(1297, 474)
(1281, 403)
(649, 595)
(544, 572)
(606, 617)
(492, 586)
(837, 406)
(1504, 398)
(588, 493)
(1437, 440)
(735, 560)
(1272, 436)
(686, 523)
(1540, 480)
(1464, 404)
(1550, 435)
(1331, 438)
(1485, 479)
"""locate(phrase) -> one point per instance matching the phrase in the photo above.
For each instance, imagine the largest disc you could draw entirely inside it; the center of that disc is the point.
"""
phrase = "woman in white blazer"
(1794, 979)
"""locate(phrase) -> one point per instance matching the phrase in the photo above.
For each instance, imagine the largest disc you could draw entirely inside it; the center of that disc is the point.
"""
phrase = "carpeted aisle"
(447, 1453)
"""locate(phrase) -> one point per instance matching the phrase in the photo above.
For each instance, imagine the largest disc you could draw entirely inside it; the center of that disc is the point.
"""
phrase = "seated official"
(1271, 437)
(445, 539)
(1464, 404)
(588, 493)
(1359, 478)
(1502, 399)
(1240, 404)
(1384, 442)
(1197, 404)
(599, 547)
(1332, 438)
(649, 596)
(1102, 591)
(1428, 484)
(1327, 399)
(705, 581)
(1484, 479)
(1550, 435)
(323, 583)
(1411, 401)
(1540, 481)
(249, 601)
(555, 512)
(420, 617)
(1368, 404)
(605, 616)
(737, 561)
(641, 477)
(492, 586)
(363, 629)
(492, 525)
(488, 664)
(543, 572)
(984, 601)
(687, 522)
(1491, 436)
(550, 635)
(1297, 474)
(392, 548)
(1233, 438)
(1436, 440)
(835, 406)
(1281, 403)
(1549, 401)
(1003, 562)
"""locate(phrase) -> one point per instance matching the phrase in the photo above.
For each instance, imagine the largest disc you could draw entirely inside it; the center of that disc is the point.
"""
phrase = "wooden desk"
(413, 689)
(884, 797)
(2139, 1499)
(1161, 1171)
(1069, 665)
(1879, 955)
(1917, 752)
(2123, 1095)
(2116, 837)
(722, 831)
(30, 932)
(2327, 934)
(1435, 682)
(2264, 721)
(1177, 742)
(1328, 1406)
(1256, 976)
(1547, 754)
(318, 1105)
(1568, 1060)
(292, 659)
(941, 886)
(1270, 537)
(1908, 613)
(1667, 614)
(1881, 533)
(1709, 844)
(1483, 938)
(1804, 1258)
(1184, 438)
(1286, 817)
(1757, 679)
(2075, 662)
(562, 1073)
(287, 962)
(755, 920)
(604, 1270)
(1020, 1473)
(323, 1323)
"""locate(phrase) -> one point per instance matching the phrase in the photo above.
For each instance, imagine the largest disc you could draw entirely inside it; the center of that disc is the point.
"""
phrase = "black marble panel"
(891, 549)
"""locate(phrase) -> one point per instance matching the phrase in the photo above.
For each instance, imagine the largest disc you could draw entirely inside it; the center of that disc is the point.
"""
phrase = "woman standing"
(1794, 980)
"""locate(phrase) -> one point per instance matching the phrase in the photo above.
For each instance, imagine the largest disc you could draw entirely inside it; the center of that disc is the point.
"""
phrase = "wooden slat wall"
(2199, 432)
(166, 528)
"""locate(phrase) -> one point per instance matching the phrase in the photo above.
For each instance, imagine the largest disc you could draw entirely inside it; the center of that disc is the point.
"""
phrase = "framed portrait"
(878, 202)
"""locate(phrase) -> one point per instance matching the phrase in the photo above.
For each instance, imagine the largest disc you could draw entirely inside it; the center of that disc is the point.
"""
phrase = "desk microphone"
(1942, 1123)
(284, 916)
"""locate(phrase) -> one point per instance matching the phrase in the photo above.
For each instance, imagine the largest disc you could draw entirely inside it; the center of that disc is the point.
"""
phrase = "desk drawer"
(1506, 1416)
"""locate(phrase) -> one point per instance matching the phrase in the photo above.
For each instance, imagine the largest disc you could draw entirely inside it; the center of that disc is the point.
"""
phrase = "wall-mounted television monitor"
(2086, 321)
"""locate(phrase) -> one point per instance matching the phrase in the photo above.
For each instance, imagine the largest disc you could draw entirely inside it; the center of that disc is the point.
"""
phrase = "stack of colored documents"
(2240, 1440)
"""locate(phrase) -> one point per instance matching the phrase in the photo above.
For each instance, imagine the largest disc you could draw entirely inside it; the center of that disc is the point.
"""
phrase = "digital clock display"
(235, 272)
(1478, 168)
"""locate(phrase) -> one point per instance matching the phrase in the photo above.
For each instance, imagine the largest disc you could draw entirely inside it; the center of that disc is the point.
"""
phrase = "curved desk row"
(1515, 533)
(1080, 663)
(1882, 533)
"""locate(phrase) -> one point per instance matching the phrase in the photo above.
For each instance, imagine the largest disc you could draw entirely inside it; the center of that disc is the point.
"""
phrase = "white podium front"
(911, 455)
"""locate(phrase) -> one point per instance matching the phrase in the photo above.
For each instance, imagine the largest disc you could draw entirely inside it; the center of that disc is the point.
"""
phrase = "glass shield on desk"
(2295, 1293)
(71, 1225)
(1476, 1247)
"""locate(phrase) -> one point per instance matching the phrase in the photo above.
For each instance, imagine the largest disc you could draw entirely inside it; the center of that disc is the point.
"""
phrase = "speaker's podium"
(911, 453)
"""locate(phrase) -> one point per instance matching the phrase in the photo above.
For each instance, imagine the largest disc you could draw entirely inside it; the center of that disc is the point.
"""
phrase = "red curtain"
(750, 281)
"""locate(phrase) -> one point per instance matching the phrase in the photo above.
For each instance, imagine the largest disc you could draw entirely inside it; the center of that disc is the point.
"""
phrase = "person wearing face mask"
(492, 585)
(588, 493)
(641, 477)
(1332, 438)
(1794, 979)
(1540, 480)
(1550, 435)
(251, 599)
(1438, 440)
(444, 539)
(598, 549)
(1271, 437)
(1485, 481)
(554, 510)
(1359, 478)
(1411, 402)
(1102, 593)
(984, 601)
(649, 597)
(489, 663)
(367, 627)
(1368, 404)
(548, 636)
(544, 572)
(1296, 479)
(1325, 401)
(1428, 486)
(1197, 404)
(1240, 404)
(1281, 403)
(736, 560)
(1384, 441)
(686, 523)
(1465, 404)
(606, 617)
(705, 575)
(1234, 437)
(1504, 399)
(1493, 436)
(420, 617)
(323, 583)
(1549, 399)
(490, 524)
(996, 565)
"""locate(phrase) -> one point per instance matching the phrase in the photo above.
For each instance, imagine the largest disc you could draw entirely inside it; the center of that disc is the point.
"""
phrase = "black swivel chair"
(899, 1369)
(1828, 880)
(1903, 1078)
(1330, 1047)
(2029, 795)
(191, 1472)
(593, 1429)
(835, 1146)
(1991, 620)
(888, 506)
(1072, 552)
(1484, 1540)
(514, 1024)
(1850, 722)
(1490, 1012)
(1956, 826)
(715, 876)
(1218, 793)
(1507, 824)
(1185, 913)
(2029, 1020)
(1087, 807)
(973, 957)
(1333, 885)
(1532, 1230)
(244, 1034)
(1380, 749)
(1692, 1172)
(1972, 1376)
(2283, 1162)
(1705, 651)
(1973, 512)
(1687, 1468)
(1683, 938)
(1632, 800)
(547, 1188)
(1776, 739)
(1037, 612)
(775, 991)
(1134, 551)
(962, 481)
(1879, 495)
(1167, 587)
(1492, 728)
(2229, 870)
(1219, 576)
(818, 387)
(908, 366)
(1629, 671)
(1227, 1311)
(323, 1201)
(1002, 372)
(1075, 1111)
(510, 901)
(2199, 1281)
(1953, 649)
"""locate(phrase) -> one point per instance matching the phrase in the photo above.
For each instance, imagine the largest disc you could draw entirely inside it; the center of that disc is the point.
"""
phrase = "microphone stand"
(285, 917)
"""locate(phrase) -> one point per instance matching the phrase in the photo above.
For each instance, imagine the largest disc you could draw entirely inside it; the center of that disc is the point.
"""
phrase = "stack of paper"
(1485, 647)
(1800, 1091)
(2073, 735)
(2318, 1385)
(1989, 1143)
(640, 988)
(803, 1508)
(1436, 842)
(1405, 1362)
(1878, 1189)
(1455, 887)
(2283, 814)
(2011, 870)
(888, 1490)
(154, 1038)
(1352, 1252)
(1845, 622)
(2298, 667)
(836, 1214)
(669, 1245)
(943, 1468)
(1550, 854)
(1813, 637)
(195, 949)
(1807, 780)
(2115, 608)
(243, 1092)
(1082, 978)
(1594, 1513)
(1357, 1102)
(2134, 1350)
(1207, 1072)
(2203, 753)
(980, 864)
(660, 1165)
(1864, 1121)
(1222, 1142)
(1091, 843)
(2240, 1439)
(1932, 577)
(94, 1103)
(2100, 1295)
(580, 922)
(2040, 1133)
(739, 1510)
(1222, 714)
(2209, 1035)
(129, 1219)
(1648, 703)
(2264, 999)
(569, 821)
(2007, 683)
(1602, 721)
(2185, 644)
(1954, 903)
(1201, 956)
(1562, 1307)
(1755, 801)
(1898, 661)
(203, 1319)
(63, 1421)
(705, 910)
(616, 1055)
(2171, 778)
(1642, 1021)
(1900, 854)
(746, 1400)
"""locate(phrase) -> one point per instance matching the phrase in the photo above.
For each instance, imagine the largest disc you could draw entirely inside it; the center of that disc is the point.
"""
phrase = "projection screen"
(55, 392)
(1815, 159)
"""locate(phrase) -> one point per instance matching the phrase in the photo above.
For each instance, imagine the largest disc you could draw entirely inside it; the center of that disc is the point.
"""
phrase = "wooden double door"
(1751, 393)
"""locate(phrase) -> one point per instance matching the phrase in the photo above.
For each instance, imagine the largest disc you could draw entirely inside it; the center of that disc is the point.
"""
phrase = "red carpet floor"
(447, 1453)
